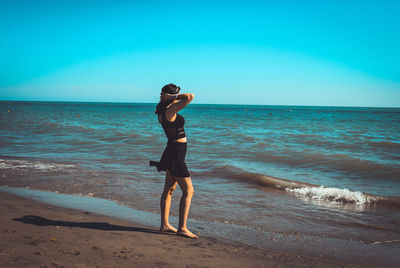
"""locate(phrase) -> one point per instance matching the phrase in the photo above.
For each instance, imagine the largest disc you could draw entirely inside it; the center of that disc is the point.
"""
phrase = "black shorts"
(173, 159)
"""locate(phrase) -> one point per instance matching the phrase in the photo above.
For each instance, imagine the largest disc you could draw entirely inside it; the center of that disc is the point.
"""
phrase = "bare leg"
(165, 202)
(184, 206)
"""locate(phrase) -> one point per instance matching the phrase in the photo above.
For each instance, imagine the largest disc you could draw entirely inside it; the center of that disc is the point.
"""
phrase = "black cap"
(171, 89)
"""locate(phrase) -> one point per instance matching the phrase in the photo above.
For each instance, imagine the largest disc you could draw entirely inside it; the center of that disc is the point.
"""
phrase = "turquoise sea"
(285, 171)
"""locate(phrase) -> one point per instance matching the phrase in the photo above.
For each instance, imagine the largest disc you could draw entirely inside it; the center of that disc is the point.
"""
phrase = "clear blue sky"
(245, 52)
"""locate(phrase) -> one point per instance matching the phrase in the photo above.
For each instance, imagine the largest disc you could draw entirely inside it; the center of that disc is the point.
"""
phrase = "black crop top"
(173, 130)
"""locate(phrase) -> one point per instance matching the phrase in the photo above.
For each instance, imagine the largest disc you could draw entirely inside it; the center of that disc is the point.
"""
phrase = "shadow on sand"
(40, 221)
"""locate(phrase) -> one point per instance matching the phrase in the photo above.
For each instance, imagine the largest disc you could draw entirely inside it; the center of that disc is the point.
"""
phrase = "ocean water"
(312, 171)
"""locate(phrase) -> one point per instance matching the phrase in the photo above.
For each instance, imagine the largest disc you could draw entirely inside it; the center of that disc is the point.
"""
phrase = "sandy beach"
(35, 234)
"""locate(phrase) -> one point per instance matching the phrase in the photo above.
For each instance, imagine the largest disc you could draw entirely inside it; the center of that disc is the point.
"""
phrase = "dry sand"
(34, 234)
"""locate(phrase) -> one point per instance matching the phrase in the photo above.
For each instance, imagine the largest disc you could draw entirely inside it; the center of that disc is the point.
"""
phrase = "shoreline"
(36, 234)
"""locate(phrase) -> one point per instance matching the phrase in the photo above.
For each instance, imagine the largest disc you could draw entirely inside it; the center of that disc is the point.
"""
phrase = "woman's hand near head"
(186, 96)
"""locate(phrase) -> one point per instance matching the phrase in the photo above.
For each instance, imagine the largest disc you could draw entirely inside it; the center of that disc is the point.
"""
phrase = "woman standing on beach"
(173, 158)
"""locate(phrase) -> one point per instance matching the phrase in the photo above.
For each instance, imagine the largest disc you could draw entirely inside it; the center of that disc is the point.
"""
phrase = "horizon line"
(236, 104)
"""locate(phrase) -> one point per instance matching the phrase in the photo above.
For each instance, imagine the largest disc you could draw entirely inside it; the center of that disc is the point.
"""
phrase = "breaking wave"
(37, 165)
(312, 191)
(335, 195)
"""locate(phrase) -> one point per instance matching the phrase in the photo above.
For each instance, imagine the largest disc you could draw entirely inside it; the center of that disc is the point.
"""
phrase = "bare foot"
(186, 233)
(168, 229)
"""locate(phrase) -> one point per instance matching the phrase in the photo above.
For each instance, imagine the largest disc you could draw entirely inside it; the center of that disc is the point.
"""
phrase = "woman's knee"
(186, 186)
(169, 191)
(189, 191)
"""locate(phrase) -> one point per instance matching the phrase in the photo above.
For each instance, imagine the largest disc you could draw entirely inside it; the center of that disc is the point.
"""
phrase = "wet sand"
(35, 234)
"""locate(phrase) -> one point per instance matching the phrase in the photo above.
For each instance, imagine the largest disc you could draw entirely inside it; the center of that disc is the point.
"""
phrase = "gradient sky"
(338, 53)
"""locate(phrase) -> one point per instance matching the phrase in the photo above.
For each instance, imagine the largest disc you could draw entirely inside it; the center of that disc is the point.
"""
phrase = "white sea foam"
(16, 164)
(334, 195)
(87, 195)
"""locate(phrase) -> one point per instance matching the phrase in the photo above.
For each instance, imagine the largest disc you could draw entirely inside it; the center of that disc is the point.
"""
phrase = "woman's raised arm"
(184, 100)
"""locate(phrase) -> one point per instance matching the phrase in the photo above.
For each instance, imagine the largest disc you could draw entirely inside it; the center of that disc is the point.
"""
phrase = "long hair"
(161, 106)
